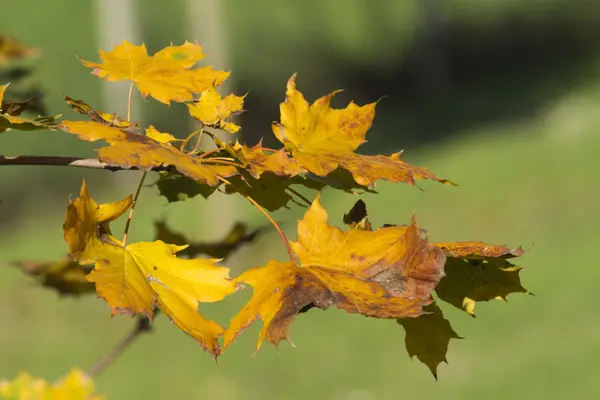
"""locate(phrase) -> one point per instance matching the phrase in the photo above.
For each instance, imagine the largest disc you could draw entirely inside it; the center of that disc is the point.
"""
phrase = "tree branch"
(143, 325)
(62, 161)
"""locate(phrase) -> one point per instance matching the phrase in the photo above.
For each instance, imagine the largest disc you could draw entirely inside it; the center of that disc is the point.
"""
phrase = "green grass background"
(530, 182)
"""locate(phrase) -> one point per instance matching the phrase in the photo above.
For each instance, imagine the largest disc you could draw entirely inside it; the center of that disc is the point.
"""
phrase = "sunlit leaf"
(129, 149)
(387, 273)
(135, 278)
(169, 75)
(322, 139)
(213, 110)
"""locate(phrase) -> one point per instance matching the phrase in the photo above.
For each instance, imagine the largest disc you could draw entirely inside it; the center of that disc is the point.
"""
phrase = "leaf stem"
(143, 325)
(203, 155)
(132, 207)
(188, 138)
(266, 214)
(129, 102)
(300, 195)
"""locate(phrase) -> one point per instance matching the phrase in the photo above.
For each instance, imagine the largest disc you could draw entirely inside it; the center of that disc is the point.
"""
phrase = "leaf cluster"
(393, 272)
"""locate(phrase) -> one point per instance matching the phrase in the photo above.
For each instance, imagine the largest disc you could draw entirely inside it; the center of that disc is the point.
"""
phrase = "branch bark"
(63, 161)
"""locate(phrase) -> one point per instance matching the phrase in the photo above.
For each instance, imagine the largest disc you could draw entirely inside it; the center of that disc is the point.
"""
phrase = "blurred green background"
(499, 96)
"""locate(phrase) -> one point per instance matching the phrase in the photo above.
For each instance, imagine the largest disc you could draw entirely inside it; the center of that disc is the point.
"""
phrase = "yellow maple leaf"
(387, 273)
(76, 385)
(130, 149)
(167, 76)
(135, 278)
(322, 139)
(211, 109)
(2, 90)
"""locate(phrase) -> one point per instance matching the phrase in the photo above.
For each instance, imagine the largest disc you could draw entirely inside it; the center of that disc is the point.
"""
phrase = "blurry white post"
(117, 21)
(206, 24)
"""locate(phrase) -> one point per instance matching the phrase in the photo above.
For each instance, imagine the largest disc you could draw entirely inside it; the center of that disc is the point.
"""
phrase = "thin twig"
(293, 191)
(143, 325)
(188, 138)
(203, 155)
(92, 163)
(132, 207)
(198, 142)
(266, 214)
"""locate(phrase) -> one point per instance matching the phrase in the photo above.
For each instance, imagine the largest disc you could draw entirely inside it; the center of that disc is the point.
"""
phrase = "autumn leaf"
(237, 236)
(98, 116)
(387, 273)
(477, 271)
(213, 110)
(64, 275)
(167, 76)
(258, 161)
(11, 49)
(76, 385)
(428, 336)
(322, 139)
(11, 120)
(135, 278)
(131, 149)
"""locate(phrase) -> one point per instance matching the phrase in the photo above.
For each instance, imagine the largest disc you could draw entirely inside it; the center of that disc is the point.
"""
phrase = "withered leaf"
(387, 273)
(98, 116)
(11, 120)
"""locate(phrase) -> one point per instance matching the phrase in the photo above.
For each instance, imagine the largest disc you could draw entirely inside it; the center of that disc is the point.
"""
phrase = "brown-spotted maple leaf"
(387, 273)
(131, 149)
(76, 385)
(322, 139)
(167, 76)
(10, 119)
(98, 116)
(213, 110)
(135, 278)
(478, 271)
(65, 275)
